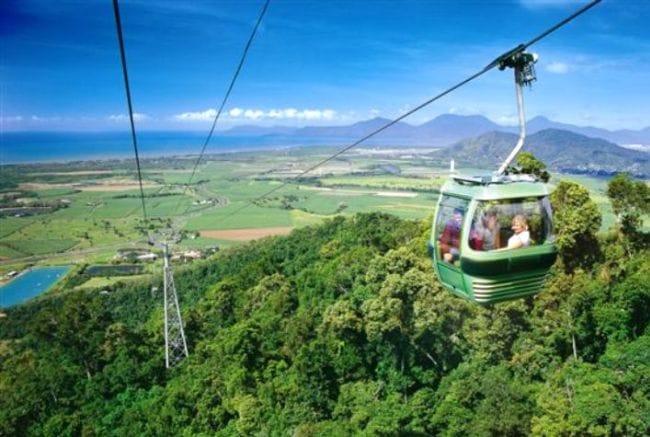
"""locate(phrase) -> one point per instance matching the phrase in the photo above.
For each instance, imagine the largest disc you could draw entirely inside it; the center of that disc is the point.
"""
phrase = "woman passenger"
(521, 236)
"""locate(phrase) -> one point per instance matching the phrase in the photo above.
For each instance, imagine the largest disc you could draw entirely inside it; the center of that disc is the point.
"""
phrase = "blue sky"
(315, 62)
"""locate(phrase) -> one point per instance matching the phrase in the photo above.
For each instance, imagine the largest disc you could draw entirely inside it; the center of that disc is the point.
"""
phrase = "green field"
(386, 182)
(9, 225)
(97, 283)
(95, 216)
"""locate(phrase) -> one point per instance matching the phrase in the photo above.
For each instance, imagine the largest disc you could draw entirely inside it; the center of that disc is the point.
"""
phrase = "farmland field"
(231, 198)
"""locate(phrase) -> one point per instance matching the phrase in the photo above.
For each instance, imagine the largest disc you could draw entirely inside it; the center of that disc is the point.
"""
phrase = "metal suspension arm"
(523, 65)
(522, 129)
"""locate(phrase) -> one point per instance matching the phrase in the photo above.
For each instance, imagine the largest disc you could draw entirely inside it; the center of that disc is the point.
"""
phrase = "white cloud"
(640, 147)
(253, 114)
(54, 119)
(12, 119)
(260, 114)
(462, 110)
(283, 114)
(507, 120)
(119, 118)
(235, 112)
(207, 115)
(329, 114)
(557, 68)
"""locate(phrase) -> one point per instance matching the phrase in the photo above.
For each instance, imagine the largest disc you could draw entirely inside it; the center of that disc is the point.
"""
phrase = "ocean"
(28, 147)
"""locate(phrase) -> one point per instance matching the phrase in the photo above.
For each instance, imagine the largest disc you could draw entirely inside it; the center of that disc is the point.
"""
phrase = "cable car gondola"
(492, 236)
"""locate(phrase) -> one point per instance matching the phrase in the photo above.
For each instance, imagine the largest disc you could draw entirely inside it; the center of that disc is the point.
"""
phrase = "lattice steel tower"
(175, 344)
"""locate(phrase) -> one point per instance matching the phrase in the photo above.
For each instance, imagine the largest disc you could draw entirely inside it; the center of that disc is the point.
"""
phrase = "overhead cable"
(490, 66)
(118, 25)
(227, 95)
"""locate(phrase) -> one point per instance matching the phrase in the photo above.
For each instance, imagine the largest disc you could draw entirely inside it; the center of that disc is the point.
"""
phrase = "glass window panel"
(511, 223)
(449, 225)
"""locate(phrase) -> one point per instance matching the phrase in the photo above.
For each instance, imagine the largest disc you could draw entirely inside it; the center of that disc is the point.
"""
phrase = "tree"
(528, 164)
(77, 329)
(585, 399)
(577, 219)
(339, 329)
(630, 200)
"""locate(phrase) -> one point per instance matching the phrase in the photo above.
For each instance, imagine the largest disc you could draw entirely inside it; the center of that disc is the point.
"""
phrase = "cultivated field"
(94, 212)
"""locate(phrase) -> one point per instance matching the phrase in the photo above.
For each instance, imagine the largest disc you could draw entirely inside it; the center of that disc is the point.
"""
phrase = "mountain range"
(444, 130)
(478, 142)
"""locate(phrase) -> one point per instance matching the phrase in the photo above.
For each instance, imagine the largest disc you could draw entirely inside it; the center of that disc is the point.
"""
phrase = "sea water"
(26, 147)
(30, 283)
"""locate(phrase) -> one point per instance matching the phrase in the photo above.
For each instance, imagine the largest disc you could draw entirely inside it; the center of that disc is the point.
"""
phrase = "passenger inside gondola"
(485, 234)
(450, 238)
(521, 236)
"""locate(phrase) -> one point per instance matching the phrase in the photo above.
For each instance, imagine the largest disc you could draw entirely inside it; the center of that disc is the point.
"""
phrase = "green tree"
(338, 329)
(630, 201)
(76, 330)
(477, 399)
(577, 220)
(528, 164)
(584, 399)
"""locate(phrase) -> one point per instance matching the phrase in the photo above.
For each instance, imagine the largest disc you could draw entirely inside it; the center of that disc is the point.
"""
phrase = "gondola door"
(446, 244)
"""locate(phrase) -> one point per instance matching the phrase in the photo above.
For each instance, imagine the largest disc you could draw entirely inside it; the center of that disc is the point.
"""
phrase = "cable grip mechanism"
(524, 65)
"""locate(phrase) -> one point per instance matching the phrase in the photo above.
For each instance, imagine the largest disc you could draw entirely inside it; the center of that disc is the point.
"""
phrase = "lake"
(30, 284)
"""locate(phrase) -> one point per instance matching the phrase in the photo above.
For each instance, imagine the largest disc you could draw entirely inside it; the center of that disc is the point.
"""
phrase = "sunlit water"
(30, 284)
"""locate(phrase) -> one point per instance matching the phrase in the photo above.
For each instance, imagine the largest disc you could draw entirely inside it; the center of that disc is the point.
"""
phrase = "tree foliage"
(527, 163)
(577, 220)
(630, 201)
(340, 329)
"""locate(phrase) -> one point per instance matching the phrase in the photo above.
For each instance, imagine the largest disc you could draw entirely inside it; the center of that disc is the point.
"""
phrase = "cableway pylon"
(175, 343)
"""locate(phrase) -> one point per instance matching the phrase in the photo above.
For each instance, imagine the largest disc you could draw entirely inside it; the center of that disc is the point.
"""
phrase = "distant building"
(147, 257)
(188, 255)
(192, 254)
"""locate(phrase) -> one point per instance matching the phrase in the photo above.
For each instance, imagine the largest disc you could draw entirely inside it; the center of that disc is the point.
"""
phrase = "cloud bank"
(259, 114)
(207, 115)
(119, 118)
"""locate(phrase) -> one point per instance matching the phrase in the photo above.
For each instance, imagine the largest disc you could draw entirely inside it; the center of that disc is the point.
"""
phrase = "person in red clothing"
(450, 238)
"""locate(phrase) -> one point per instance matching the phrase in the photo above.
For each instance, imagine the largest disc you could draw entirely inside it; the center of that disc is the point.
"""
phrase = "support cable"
(498, 62)
(226, 96)
(118, 25)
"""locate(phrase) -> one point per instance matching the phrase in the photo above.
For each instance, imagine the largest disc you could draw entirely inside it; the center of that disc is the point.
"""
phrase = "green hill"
(560, 150)
(339, 329)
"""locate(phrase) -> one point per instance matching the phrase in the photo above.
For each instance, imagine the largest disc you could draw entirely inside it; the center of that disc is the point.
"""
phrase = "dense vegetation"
(342, 329)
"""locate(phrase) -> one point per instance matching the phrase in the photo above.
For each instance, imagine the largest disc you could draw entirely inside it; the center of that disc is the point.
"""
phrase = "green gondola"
(481, 267)
(492, 237)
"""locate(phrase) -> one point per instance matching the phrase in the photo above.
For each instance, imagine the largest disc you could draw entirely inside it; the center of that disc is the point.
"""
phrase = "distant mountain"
(620, 137)
(248, 130)
(561, 150)
(444, 130)
(448, 128)
(358, 130)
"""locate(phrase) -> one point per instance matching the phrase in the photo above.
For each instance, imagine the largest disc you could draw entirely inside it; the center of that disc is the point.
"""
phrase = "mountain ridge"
(441, 131)
(560, 150)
